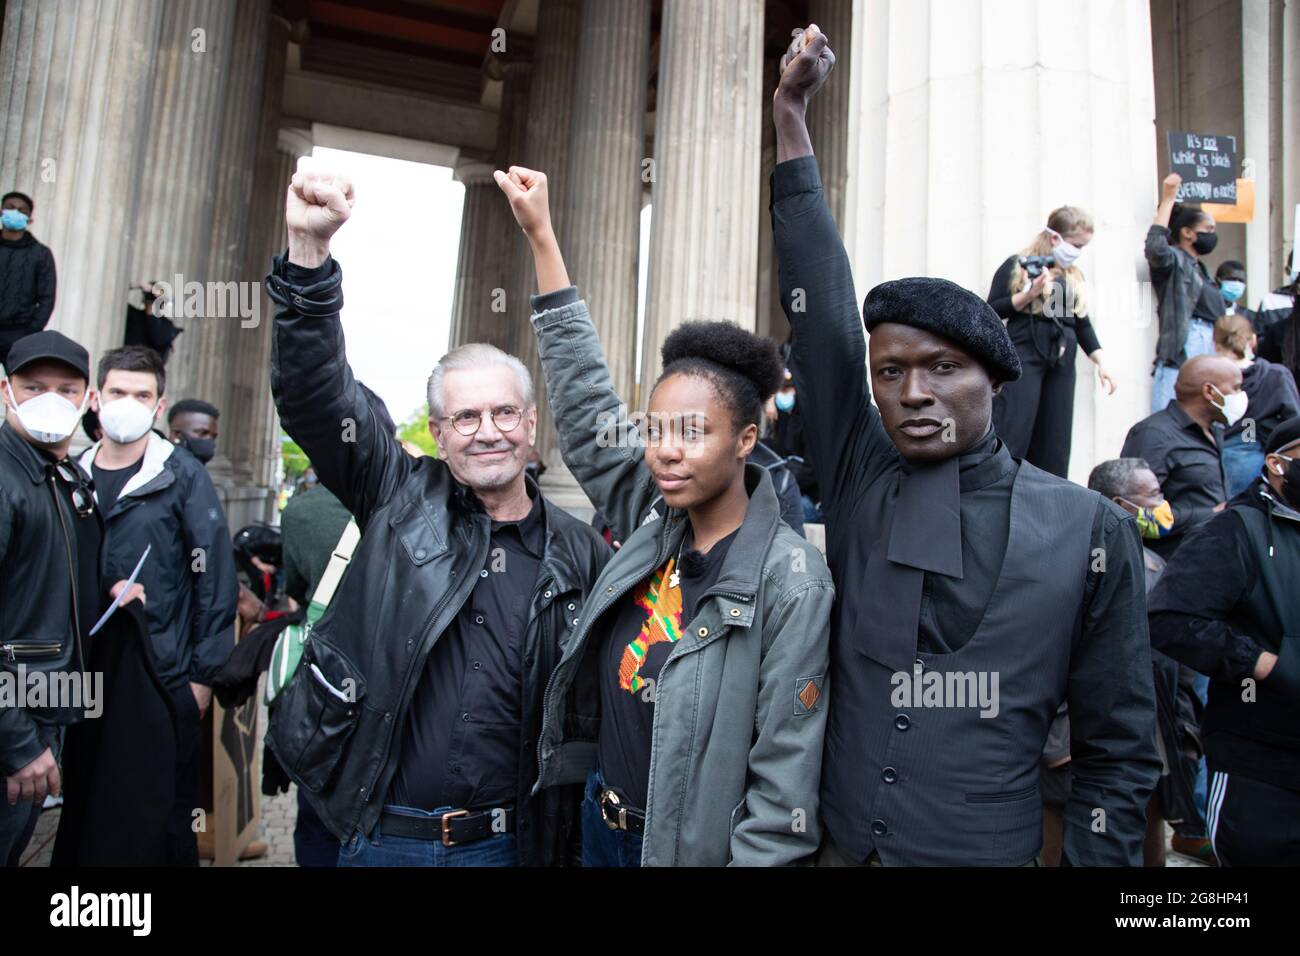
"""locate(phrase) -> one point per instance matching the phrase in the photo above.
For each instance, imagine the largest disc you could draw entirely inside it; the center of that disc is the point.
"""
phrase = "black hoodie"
(27, 282)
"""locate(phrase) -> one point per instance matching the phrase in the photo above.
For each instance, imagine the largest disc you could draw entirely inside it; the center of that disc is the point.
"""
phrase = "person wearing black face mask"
(1188, 300)
(1228, 606)
(192, 424)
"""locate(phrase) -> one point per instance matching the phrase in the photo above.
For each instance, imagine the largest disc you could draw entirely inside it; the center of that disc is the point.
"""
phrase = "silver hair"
(476, 355)
(1115, 478)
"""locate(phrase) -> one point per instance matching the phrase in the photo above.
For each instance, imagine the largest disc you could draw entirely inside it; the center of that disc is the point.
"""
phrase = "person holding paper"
(155, 494)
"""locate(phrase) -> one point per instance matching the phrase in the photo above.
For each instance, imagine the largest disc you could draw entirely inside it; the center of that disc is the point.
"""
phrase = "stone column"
(516, 101)
(76, 79)
(1289, 165)
(212, 337)
(546, 148)
(478, 311)
(251, 436)
(602, 218)
(1256, 99)
(932, 111)
(172, 232)
(829, 112)
(704, 240)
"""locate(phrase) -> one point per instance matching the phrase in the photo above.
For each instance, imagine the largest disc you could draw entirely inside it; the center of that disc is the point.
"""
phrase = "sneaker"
(1194, 848)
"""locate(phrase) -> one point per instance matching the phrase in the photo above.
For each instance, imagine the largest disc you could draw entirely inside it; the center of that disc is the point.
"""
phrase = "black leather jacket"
(424, 537)
(39, 615)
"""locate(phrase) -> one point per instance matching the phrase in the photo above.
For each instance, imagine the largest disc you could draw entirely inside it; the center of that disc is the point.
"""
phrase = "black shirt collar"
(530, 528)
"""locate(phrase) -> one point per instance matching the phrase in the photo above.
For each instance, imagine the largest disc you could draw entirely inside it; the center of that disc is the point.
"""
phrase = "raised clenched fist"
(1169, 188)
(526, 190)
(805, 65)
(317, 204)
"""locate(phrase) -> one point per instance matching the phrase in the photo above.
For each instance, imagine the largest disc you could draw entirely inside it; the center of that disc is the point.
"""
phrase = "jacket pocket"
(1008, 797)
(317, 714)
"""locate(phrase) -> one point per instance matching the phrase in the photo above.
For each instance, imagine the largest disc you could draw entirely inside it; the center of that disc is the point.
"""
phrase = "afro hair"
(745, 369)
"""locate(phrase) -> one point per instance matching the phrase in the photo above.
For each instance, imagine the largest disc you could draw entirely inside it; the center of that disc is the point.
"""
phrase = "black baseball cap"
(48, 346)
(1285, 435)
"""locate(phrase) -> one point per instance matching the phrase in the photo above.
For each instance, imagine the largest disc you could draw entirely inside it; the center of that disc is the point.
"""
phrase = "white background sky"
(398, 254)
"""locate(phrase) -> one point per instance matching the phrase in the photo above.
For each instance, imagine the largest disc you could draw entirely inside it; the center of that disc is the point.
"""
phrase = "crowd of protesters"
(983, 661)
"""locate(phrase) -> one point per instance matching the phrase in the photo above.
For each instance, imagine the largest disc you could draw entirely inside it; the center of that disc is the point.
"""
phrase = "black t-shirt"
(85, 533)
(461, 742)
(109, 483)
(1209, 305)
(638, 639)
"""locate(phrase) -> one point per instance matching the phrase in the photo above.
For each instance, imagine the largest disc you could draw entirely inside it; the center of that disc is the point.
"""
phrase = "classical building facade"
(157, 138)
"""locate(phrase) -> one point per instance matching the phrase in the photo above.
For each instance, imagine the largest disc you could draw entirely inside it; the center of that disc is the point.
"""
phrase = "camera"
(1034, 265)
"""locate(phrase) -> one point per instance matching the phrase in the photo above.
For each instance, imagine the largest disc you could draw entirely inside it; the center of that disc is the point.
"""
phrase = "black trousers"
(182, 843)
(1034, 416)
(1253, 823)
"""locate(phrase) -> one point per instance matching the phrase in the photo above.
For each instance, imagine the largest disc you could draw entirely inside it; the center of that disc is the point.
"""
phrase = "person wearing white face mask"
(50, 588)
(1181, 443)
(1042, 295)
(154, 493)
(1271, 390)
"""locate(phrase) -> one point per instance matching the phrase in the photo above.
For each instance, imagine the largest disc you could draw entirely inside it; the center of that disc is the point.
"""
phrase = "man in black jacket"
(1181, 443)
(27, 275)
(49, 571)
(978, 592)
(154, 494)
(415, 711)
(1228, 606)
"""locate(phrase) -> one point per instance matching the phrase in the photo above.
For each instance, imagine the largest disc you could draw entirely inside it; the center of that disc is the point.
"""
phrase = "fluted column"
(704, 240)
(828, 114)
(603, 220)
(212, 337)
(516, 101)
(76, 78)
(478, 309)
(546, 147)
(251, 436)
(172, 230)
(933, 174)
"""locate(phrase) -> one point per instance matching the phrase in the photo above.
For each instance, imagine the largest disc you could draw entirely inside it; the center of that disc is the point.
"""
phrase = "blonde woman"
(1041, 295)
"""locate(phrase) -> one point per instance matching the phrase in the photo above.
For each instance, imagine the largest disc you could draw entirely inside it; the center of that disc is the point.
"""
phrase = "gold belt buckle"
(446, 829)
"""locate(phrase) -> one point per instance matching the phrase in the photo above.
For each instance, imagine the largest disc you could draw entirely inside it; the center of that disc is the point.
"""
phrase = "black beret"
(947, 310)
(1288, 433)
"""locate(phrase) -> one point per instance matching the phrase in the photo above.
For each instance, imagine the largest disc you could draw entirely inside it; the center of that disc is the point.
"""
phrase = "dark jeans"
(18, 822)
(182, 843)
(380, 850)
(1034, 416)
(602, 846)
(313, 844)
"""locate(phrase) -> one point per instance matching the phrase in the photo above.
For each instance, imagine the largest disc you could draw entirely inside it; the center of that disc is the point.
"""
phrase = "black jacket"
(424, 537)
(39, 616)
(28, 280)
(189, 577)
(1229, 593)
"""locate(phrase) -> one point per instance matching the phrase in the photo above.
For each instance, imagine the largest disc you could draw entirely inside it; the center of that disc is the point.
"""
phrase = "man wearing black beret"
(1228, 606)
(975, 593)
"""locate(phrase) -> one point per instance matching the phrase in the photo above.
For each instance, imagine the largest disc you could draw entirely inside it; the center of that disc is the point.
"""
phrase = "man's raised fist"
(805, 65)
(317, 204)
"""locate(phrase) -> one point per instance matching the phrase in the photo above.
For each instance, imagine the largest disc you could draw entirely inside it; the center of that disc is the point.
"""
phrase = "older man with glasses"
(411, 723)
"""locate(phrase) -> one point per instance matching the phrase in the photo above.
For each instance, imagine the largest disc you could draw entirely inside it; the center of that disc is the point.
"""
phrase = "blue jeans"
(602, 846)
(1242, 462)
(1200, 341)
(380, 850)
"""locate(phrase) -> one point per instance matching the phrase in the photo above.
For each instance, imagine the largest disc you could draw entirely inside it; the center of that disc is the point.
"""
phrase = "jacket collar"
(743, 566)
(156, 454)
(30, 459)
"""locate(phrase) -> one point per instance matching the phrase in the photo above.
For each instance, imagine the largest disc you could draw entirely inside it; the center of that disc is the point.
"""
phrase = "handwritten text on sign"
(1208, 165)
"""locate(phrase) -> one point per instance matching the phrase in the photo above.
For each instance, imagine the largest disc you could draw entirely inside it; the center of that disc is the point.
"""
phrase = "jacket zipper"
(72, 574)
(580, 639)
(11, 651)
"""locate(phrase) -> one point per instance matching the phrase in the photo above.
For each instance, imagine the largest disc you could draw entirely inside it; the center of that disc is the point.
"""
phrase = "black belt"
(453, 827)
(618, 815)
